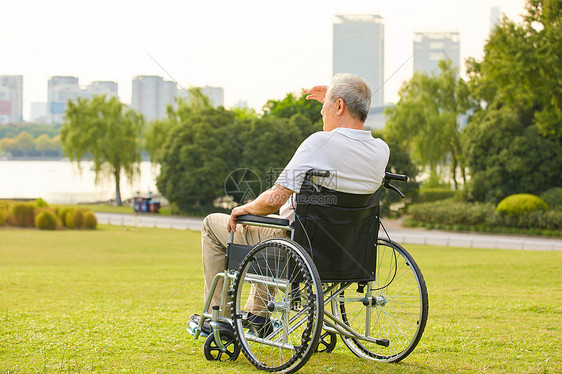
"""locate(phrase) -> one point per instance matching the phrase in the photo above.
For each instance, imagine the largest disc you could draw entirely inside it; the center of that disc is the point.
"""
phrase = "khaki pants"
(214, 239)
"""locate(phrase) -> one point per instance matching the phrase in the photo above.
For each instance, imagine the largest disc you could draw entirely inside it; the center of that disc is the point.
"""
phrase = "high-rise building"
(60, 90)
(11, 99)
(39, 112)
(359, 49)
(100, 88)
(215, 95)
(241, 104)
(432, 47)
(151, 95)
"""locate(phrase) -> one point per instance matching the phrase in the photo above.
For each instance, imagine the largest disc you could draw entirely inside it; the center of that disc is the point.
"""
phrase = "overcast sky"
(255, 49)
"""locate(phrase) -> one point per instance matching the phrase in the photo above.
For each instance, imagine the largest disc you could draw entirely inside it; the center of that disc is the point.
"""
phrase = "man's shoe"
(258, 325)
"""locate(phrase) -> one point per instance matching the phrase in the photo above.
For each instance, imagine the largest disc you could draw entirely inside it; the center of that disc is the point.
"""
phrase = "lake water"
(60, 182)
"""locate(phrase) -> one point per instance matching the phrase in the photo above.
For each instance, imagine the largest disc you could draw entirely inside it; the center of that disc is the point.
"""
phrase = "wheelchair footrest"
(206, 327)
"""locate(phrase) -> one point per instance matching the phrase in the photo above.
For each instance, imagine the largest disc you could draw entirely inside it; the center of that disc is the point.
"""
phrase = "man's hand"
(317, 93)
(238, 211)
(266, 203)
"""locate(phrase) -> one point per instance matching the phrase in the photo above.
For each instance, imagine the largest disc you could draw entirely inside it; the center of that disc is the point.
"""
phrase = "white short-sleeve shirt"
(356, 161)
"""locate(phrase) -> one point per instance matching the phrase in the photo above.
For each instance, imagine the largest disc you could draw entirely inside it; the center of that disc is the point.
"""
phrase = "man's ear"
(340, 105)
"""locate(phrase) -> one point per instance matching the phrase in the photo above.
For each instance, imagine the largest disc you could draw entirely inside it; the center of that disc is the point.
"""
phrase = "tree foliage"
(107, 132)
(399, 162)
(203, 148)
(197, 155)
(506, 157)
(24, 142)
(293, 104)
(425, 119)
(513, 142)
(522, 67)
(12, 130)
(157, 131)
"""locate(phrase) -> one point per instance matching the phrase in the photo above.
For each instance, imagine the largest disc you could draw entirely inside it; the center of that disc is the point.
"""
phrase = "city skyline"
(255, 51)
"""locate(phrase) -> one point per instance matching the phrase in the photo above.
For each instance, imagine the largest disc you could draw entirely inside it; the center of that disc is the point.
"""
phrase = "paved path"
(394, 228)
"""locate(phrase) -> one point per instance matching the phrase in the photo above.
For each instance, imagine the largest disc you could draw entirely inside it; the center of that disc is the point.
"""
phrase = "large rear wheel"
(392, 309)
(278, 278)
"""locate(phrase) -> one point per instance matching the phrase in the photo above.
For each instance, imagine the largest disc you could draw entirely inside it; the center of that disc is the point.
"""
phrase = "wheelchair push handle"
(397, 177)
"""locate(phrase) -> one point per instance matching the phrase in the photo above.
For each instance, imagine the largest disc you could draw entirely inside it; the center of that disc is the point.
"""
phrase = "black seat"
(340, 231)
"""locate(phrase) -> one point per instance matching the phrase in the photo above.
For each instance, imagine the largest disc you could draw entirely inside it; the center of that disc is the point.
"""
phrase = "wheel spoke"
(290, 292)
(399, 313)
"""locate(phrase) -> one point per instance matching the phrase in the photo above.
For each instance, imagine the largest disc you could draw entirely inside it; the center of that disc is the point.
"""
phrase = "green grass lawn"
(115, 300)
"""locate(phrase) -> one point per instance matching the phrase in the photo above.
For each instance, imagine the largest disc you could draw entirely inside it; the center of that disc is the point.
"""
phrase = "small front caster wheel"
(327, 342)
(214, 353)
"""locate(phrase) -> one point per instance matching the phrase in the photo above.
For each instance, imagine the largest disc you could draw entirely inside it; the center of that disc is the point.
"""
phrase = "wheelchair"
(333, 277)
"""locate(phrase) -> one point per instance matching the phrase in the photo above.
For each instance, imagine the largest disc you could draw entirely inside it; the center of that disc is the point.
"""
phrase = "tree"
(270, 142)
(522, 68)
(291, 105)
(56, 145)
(198, 155)
(506, 157)
(43, 144)
(425, 119)
(108, 132)
(24, 143)
(158, 131)
(8, 144)
(514, 139)
(203, 150)
(399, 162)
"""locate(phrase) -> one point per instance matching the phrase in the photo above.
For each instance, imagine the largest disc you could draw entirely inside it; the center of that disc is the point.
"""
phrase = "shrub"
(46, 220)
(518, 204)
(553, 198)
(436, 194)
(39, 203)
(90, 220)
(61, 213)
(4, 209)
(22, 215)
(69, 219)
(3, 215)
(78, 218)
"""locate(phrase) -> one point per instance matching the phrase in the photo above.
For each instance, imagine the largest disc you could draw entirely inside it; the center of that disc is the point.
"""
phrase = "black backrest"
(341, 229)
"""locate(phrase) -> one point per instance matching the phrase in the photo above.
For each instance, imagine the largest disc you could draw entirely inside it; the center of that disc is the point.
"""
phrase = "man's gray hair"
(354, 91)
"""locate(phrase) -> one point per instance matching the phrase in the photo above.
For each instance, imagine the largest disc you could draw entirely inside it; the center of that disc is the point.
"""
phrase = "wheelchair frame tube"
(270, 342)
(337, 326)
(228, 277)
(281, 285)
(368, 310)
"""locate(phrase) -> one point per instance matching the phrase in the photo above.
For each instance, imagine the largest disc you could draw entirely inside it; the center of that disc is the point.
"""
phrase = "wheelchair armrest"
(262, 220)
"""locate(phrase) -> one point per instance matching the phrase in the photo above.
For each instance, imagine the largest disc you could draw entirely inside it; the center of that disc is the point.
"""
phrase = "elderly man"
(356, 160)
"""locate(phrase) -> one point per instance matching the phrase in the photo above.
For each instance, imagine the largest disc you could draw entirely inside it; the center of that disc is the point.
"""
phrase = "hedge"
(33, 215)
(451, 213)
(21, 215)
(553, 198)
(431, 194)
